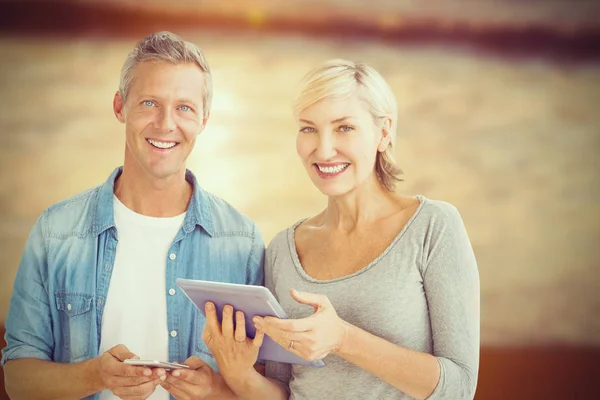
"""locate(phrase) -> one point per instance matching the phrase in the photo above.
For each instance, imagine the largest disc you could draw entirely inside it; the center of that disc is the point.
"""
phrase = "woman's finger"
(240, 327)
(258, 338)
(212, 321)
(227, 322)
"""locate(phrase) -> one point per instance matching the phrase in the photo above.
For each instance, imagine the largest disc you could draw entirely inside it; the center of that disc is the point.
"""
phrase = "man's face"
(163, 113)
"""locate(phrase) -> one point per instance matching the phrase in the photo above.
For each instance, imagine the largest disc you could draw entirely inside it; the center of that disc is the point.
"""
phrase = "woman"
(383, 287)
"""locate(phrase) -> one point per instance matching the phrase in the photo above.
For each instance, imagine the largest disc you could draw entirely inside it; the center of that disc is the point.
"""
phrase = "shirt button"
(171, 291)
(173, 333)
(69, 306)
(99, 302)
(172, 256)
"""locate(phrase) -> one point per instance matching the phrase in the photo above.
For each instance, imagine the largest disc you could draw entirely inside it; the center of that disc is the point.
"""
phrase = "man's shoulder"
(74, 215)
(228, 220)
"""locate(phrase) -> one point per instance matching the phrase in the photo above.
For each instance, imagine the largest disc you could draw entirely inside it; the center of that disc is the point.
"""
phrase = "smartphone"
(155, 364)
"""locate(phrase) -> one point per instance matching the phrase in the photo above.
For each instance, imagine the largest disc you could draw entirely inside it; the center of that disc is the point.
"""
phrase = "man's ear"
(118, 107)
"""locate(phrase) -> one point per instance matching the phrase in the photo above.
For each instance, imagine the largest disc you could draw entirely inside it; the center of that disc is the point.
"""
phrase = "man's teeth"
(332, 170)
(162, 145)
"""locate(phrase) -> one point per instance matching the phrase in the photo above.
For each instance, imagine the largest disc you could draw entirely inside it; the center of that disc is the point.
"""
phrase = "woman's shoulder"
(438, 211)
(433, 218)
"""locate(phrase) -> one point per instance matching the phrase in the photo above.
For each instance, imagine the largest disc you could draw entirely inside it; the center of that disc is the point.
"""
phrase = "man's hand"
(195, 383)
(127, 381)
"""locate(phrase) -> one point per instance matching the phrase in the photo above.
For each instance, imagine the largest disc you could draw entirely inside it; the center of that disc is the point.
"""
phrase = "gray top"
(421, 293)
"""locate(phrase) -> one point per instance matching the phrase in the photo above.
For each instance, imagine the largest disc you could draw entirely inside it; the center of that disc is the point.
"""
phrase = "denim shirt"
(61, 286)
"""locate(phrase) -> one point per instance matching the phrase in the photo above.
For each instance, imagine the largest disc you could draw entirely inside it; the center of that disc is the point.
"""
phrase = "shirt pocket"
(75, 314)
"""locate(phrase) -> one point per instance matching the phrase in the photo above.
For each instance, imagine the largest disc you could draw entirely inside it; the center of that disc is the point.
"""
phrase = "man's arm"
(32, 379)
(29, 372)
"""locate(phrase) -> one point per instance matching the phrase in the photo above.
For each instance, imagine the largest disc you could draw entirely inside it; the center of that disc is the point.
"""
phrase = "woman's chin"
(331, 189)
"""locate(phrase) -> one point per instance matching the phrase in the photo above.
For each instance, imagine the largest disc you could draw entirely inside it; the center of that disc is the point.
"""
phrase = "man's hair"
(166, 47)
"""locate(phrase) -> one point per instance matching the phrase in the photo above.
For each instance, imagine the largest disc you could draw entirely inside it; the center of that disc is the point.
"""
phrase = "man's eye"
(148, 103)
(185, 108)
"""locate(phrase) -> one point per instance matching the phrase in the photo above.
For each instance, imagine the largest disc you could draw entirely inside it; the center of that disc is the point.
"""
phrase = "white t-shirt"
(135, 313)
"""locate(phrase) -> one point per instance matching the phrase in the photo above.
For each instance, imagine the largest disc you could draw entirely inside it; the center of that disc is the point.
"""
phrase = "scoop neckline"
(302, 273)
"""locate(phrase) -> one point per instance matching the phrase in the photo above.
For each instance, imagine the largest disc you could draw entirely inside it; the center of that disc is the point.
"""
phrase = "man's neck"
(154, 197)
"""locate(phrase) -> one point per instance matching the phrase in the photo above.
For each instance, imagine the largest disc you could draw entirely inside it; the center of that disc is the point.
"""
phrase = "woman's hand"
(235, 353)
(311, 338)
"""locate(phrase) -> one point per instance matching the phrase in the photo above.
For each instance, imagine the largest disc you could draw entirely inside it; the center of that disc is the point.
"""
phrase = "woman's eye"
(345, 128)
(307, 129)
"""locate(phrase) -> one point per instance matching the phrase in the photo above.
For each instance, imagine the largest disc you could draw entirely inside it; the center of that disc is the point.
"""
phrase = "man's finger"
(201, 376)
(121, 352)
(193, 386)
(117, 368)
(121, 381)
(240, 327)
(227, 322)
(212, 321)
(174, 390)
(143, 390)
(195, 362)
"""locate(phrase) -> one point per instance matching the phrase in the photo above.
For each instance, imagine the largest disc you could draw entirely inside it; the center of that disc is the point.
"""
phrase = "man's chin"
(162, 173)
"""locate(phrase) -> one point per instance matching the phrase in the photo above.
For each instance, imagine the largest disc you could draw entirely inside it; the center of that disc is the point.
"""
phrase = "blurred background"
(499, 114)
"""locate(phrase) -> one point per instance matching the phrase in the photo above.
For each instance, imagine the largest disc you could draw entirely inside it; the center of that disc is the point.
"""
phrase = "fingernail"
(163, 377)
(147, 372)
(256, 320)
(209, 306)
(176, 373)
(160, 372)
(135, 358)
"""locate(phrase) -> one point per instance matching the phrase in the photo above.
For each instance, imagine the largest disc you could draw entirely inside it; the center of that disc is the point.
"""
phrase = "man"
(97, 280)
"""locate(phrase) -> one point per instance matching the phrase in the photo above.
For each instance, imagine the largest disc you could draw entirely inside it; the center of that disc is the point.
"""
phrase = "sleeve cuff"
(22, 352)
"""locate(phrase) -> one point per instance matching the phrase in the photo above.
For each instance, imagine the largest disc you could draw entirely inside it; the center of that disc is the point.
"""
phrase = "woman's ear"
(386, 137)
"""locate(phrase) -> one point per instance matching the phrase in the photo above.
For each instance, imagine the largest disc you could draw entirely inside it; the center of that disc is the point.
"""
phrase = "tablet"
(251, 300)
(155, 364)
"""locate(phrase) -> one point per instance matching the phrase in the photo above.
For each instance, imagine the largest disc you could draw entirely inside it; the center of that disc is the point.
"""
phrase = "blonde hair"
(341, 78)
(167, 47)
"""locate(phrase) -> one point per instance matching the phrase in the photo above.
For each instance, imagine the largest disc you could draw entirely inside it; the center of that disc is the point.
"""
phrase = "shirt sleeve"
(256, 259)
(29, 321)
(451, 282)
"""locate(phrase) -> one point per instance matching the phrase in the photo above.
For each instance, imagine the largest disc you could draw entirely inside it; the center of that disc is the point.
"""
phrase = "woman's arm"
(451, 283)
(236, 354)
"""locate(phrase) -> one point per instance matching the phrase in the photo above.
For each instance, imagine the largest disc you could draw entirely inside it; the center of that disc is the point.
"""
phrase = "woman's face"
(338, 142)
